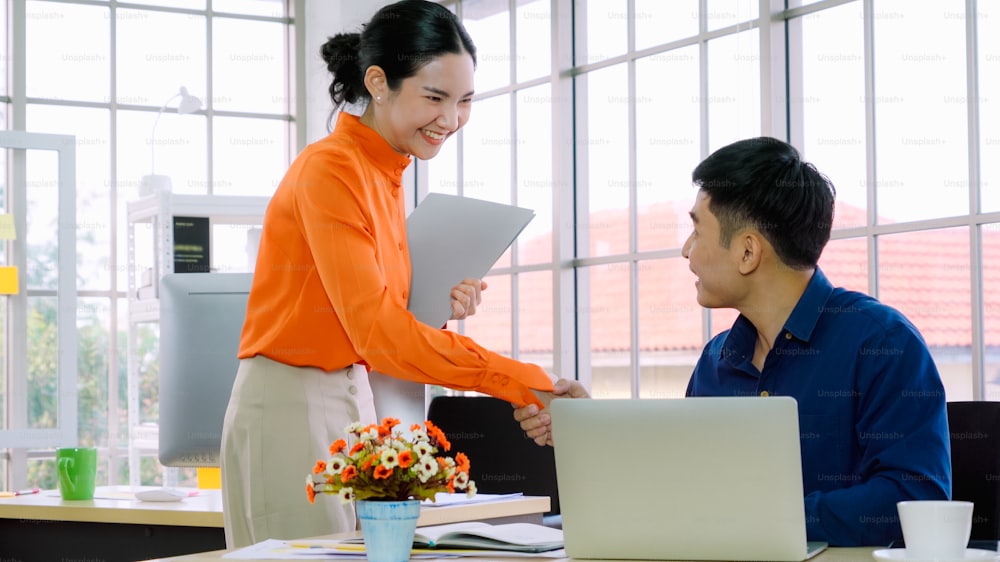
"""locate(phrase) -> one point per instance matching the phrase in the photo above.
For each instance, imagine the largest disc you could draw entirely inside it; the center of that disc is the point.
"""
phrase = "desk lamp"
(154, 183)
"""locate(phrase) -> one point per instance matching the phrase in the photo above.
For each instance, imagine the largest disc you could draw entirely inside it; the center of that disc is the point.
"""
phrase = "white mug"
(935, 529)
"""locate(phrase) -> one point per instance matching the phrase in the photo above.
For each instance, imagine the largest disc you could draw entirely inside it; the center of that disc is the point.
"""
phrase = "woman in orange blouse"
(329, 294)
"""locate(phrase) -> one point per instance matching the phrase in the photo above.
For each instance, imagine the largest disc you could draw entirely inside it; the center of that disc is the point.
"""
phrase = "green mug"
(77, 471)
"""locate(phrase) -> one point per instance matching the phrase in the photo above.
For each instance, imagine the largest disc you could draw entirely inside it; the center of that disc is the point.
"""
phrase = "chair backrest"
(503, 459)
(975, 463)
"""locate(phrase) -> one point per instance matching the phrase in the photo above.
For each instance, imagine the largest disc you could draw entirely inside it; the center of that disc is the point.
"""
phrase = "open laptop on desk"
(681, 479)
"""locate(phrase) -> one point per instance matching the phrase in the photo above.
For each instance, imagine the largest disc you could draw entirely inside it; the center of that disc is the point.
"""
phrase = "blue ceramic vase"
(388, 528)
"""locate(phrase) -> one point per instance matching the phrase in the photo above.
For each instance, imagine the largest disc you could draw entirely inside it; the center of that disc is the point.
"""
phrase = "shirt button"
(788, 335)
(406, 295)
(350, 375)
(352, 389)
(762, 393)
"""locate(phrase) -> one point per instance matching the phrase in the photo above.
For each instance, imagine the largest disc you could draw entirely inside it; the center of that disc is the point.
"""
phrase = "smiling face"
(719, 281)
(428, 107)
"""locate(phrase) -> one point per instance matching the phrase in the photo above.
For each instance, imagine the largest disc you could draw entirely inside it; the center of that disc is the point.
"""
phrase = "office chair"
(975, 463)
(503, 459)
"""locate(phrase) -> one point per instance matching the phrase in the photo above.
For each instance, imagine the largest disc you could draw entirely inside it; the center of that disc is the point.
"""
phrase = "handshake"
(537, 424)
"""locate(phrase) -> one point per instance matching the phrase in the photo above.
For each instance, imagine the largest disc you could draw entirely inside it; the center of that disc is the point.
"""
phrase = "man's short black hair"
(762, 183)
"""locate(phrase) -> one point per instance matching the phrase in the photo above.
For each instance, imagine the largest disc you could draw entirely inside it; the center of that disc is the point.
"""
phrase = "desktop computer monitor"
(201, 317)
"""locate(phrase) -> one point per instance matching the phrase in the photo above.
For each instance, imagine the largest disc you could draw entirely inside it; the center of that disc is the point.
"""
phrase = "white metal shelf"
(159, 210)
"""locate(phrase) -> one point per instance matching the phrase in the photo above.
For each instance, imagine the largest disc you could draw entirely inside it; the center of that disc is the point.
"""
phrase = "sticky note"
(209, 477)
(8, 280)
(7, 231)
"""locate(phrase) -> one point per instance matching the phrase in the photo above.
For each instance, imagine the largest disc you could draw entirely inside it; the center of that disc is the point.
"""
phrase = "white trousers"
(280, 421)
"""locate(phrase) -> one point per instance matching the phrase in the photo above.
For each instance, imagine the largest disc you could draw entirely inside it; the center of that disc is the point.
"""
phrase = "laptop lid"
(715, 478)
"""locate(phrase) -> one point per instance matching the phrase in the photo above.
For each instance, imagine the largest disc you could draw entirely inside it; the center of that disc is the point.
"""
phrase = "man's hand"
(537, 424)
(465, 297)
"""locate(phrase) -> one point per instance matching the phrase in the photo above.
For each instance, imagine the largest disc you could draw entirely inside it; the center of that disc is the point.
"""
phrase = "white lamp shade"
(189, 103)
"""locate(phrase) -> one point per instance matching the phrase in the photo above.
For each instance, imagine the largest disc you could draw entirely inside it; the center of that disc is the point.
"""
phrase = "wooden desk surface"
(859, 554)
(117, 504)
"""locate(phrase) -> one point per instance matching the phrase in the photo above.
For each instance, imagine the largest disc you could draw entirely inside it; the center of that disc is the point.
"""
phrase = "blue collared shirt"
(872, 414)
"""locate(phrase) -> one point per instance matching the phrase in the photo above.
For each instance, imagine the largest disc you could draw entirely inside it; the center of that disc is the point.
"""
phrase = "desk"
(115, 526)
(860, 554)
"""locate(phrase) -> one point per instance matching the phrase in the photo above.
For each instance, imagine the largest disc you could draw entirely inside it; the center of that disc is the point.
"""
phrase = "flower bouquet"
(379, 462)
(388, 474)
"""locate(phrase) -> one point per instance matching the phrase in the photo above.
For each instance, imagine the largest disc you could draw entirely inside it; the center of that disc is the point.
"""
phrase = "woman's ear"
(376, 84)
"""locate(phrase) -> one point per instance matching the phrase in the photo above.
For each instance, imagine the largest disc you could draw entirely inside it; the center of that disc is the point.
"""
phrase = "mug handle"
(66, 465)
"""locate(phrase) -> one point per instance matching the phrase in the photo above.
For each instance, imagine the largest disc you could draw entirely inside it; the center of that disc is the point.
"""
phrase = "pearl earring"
(378, 98)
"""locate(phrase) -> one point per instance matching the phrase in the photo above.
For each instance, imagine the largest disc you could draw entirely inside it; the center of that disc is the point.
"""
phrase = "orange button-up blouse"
(331, 282)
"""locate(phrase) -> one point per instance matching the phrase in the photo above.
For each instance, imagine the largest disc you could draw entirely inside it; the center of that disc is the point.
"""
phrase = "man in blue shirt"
(872, 415)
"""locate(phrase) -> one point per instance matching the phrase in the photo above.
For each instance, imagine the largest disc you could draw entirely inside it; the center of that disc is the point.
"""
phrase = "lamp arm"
(152, 138)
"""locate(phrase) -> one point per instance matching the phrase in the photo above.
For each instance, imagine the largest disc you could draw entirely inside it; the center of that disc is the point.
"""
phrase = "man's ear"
(752, 245)
(375, 82)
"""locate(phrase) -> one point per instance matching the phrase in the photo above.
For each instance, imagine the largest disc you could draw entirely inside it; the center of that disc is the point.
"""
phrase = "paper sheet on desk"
(444, 499)
(452, 238)
(318, 549)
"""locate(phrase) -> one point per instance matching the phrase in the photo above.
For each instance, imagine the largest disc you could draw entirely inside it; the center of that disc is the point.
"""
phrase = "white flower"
(461, 480)
(427, 468)
(346, 495)
(470, 490)
(355, 427)
(420, 434)
(422, 449)
(390, 457)
(370, 435)
(336, 464)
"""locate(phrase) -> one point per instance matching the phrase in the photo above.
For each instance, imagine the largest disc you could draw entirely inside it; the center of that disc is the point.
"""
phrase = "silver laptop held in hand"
(681, 479)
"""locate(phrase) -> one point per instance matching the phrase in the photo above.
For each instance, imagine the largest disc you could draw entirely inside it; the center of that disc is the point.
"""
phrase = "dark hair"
(762, 183)
(400, 38)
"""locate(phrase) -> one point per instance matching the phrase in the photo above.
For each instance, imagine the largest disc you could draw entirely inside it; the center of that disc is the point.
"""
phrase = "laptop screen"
(680, 479)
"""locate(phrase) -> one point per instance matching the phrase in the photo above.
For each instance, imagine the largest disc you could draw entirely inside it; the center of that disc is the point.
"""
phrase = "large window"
(505, 154)
(888, 111)
(111, 75)
(590, 112)
(602, 145)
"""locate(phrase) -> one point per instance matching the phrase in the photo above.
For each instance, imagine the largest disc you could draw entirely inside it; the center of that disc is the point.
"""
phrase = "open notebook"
(681, 479)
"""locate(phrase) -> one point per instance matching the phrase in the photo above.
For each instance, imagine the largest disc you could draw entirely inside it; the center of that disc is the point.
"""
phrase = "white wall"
(323, 19)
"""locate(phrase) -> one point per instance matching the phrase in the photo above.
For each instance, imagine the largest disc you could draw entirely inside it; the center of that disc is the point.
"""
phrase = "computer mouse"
(164, 494)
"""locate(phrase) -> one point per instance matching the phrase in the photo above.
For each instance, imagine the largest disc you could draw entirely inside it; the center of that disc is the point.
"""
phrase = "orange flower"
(338, 446)
(435, 433)
(367, 465)
(320, 467)
(349, 472)
(390, 422)
(311, 493)
(405, 459)
(382, 473)
(462, 462)
(451, 485)
(356, 448)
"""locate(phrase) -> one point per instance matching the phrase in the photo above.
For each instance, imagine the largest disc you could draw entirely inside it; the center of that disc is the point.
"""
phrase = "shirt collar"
(810, 307)
(376, 148)
(801, 322)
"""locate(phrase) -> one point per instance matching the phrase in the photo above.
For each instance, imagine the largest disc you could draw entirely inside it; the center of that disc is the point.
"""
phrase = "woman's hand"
(537, 424)
(465, 297)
